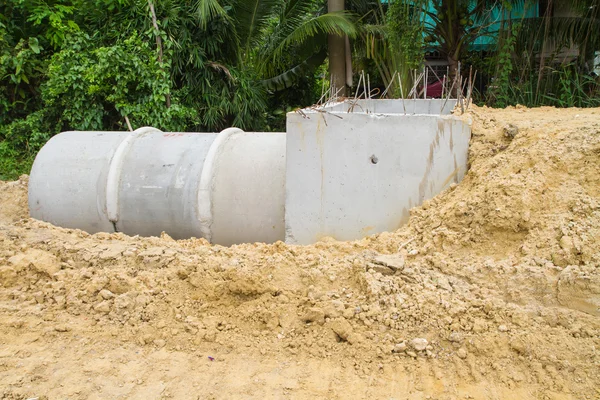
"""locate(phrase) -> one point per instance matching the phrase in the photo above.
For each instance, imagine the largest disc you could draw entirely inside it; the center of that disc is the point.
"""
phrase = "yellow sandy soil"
(491, 291)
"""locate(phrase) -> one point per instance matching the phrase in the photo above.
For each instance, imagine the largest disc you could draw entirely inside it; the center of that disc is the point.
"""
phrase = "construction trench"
(343, 170)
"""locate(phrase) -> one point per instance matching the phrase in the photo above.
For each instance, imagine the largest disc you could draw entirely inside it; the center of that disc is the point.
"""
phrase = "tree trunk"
(159, 45)
(337, 53)
(453, 77)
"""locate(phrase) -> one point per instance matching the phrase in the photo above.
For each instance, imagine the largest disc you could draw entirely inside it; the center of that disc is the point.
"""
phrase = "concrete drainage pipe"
(227, 187)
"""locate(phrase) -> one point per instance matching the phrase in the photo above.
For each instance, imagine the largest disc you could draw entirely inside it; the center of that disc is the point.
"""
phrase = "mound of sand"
(491, 291)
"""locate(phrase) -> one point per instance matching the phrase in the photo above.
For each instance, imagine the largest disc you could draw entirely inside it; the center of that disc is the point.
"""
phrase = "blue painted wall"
(494, 22)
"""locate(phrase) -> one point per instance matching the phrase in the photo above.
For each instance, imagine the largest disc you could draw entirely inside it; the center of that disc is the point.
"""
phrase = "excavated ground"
(491, 291)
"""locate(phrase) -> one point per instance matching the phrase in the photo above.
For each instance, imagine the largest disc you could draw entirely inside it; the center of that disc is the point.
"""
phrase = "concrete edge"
(207, 178)
(113, 179)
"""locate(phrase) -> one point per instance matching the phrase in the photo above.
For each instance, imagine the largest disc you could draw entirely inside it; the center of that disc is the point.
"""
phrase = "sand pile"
(492, 290)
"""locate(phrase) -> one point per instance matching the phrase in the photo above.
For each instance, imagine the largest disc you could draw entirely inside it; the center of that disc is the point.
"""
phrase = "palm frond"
(289, 77)
(206, 10)
(562, 31)
(292, 15)
(338, 23)
(251, 17)
(378, 30)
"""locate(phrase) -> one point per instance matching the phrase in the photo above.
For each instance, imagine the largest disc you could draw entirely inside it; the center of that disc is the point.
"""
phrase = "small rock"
(510, 130)
(503, 328)
(344, 331)
(334, 309)
(39, 297)
(455, 337)
(462, 353)
(348, 313)
(400, 347)
(160, 343)
(314, 314)
(412, 354)
(61, 301)
(393, 261)
(106, 294)
(383, 270)
(62, 328)
(419, 344)
(272, 321)
(342, 328)
(40, 261)
(566, 243)
(479, 326)
(519, 345)
(211, 335)
(103, 307)
(123, 302)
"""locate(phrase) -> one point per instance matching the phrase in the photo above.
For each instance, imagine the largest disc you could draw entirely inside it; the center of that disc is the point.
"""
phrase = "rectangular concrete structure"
(352, 174)
(394, 106)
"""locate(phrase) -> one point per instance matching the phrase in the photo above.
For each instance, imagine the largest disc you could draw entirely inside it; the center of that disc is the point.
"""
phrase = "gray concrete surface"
(248, 202)
(335, 173)
(67, 183)
(226, 187)
(393, 106)
(349, 175)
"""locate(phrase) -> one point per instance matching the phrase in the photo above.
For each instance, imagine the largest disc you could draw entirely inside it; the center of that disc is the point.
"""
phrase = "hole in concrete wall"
(374, 159)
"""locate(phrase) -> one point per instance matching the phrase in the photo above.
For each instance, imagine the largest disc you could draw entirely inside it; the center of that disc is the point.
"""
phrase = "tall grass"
(559, 86)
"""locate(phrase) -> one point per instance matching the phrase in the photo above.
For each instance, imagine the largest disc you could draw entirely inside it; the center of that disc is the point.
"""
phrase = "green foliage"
(95, 88)
(241, 102)
(531, 69)
(371, 50)
(204, 65)
(405, 35)
(20, 142)
(20, 70)
(54, 17)
(207, 10)
(456, 24)
(288, 78)
(198, 65)
(560, 86)
(500, 91)
(331, 23)
(578, 28)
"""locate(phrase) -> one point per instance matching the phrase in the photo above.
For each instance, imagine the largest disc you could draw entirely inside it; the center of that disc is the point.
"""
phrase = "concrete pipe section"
(227, 187)
(356, 168)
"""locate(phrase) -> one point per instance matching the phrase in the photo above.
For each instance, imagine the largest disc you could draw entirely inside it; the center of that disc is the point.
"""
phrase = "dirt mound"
(13, 200)
(491, 291)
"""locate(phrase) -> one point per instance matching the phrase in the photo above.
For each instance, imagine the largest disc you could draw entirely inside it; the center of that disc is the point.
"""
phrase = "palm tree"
(337, 52)
(305, 28)
(224, 55)
(455, 25)
(277, 41)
